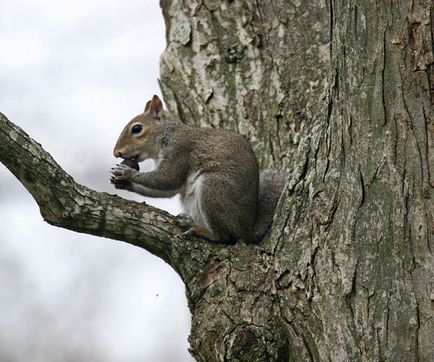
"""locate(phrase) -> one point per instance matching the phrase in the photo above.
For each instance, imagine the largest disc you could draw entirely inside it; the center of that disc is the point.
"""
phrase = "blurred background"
(71, 75)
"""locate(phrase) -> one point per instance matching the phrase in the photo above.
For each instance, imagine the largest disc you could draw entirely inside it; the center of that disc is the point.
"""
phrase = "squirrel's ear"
(148, 105)
(156, 106)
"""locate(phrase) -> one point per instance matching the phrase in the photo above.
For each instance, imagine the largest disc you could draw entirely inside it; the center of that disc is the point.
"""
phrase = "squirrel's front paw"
(122, 173)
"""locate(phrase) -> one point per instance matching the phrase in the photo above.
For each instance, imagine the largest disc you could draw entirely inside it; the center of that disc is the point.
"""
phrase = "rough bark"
(347, 273)
(347, 270)
(254, 67)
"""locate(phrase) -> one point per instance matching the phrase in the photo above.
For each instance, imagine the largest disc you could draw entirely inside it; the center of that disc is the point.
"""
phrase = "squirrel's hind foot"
(186, 224)
(184, 221)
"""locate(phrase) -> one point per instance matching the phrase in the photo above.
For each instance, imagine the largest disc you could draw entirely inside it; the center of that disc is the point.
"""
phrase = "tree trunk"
(338, 94)
(347, 272)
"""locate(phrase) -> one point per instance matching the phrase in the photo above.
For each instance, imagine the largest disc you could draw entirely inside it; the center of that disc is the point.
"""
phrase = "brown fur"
(214, 170)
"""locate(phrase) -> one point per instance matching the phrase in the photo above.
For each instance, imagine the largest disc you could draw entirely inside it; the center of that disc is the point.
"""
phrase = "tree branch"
(66, 204)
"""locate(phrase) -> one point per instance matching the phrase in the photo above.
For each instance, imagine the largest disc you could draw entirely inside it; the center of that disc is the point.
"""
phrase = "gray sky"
(71, 75)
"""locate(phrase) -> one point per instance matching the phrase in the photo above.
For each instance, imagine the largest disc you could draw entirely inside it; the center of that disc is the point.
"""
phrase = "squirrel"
(215, 171)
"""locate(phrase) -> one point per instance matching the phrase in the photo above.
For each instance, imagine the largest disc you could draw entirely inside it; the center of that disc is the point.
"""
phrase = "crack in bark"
(417, 332)
(331, 26)
(383, 82)
(430, 69)
(363, 188)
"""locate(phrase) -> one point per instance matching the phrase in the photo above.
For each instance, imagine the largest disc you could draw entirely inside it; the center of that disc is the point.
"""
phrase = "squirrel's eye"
(136, 128)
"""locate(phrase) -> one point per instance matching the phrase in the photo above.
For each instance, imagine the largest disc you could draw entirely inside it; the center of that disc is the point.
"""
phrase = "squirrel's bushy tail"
(271, 183)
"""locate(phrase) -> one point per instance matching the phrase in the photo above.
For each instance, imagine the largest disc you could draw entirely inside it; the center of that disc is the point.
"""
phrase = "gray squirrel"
(214, 170)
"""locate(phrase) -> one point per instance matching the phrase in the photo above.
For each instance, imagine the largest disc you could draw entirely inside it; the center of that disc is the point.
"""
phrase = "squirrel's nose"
(117, 153)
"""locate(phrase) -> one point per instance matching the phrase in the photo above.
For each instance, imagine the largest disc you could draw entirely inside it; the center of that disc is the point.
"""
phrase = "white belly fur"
(191, 199)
